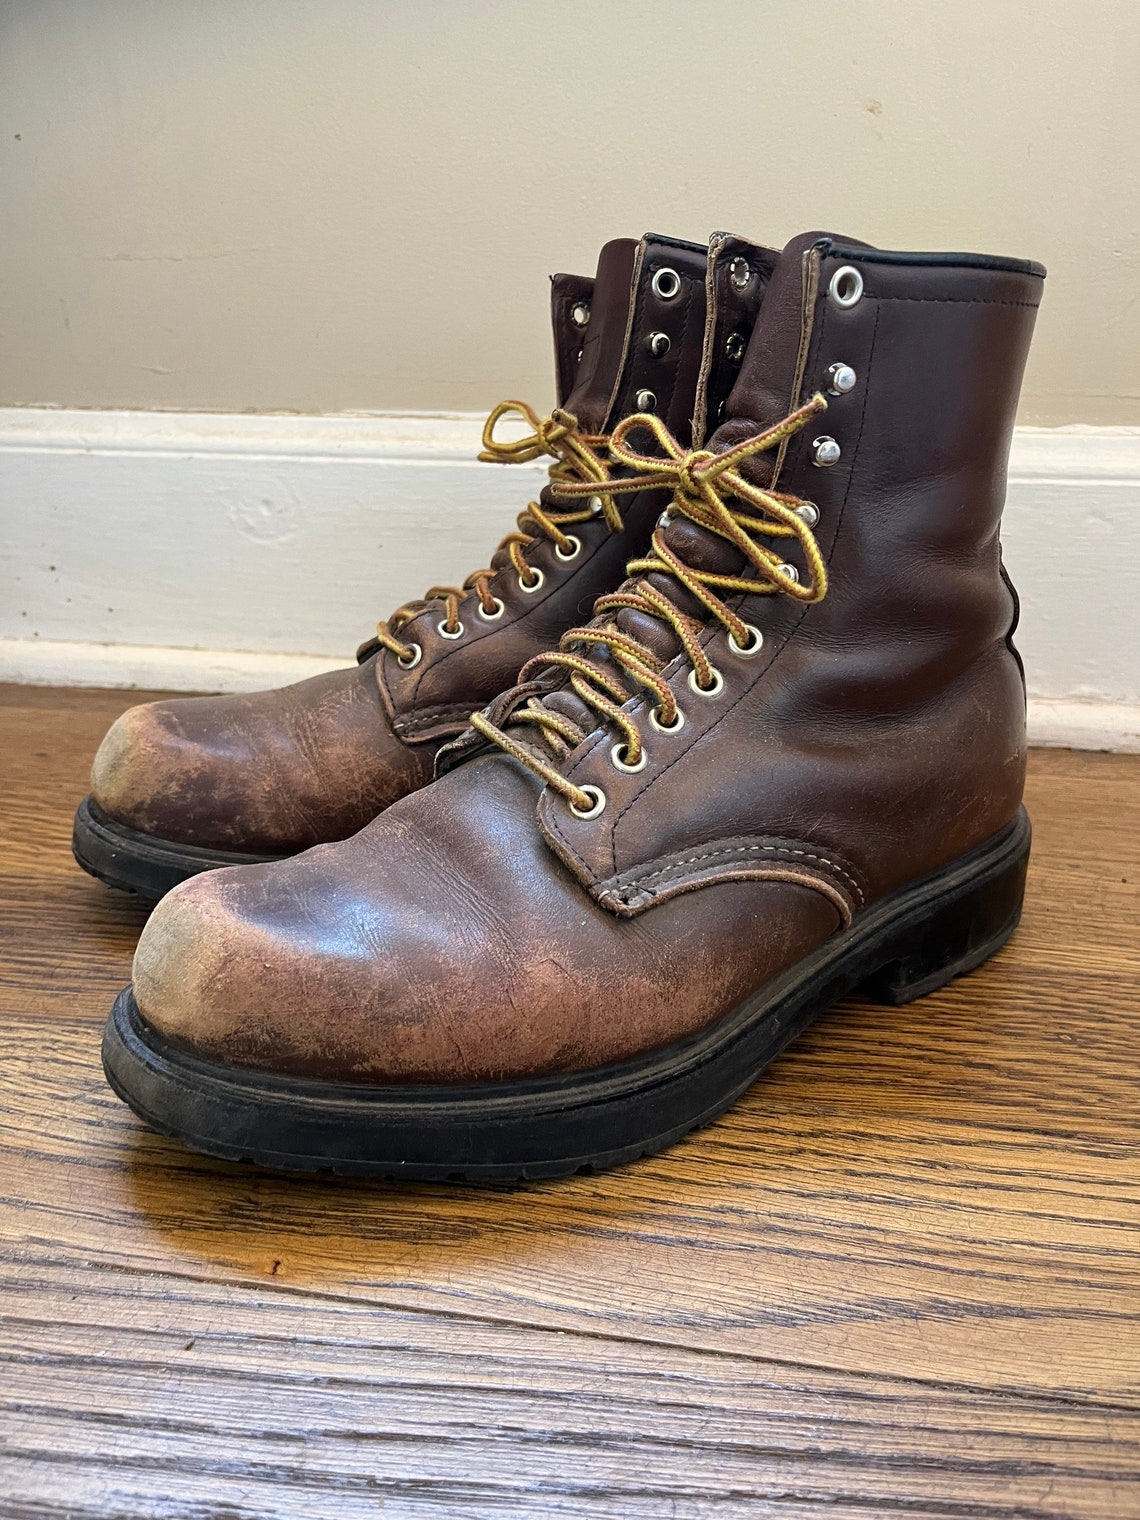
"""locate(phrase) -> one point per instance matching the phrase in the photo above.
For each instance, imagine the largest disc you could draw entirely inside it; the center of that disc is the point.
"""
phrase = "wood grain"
(901, 1276)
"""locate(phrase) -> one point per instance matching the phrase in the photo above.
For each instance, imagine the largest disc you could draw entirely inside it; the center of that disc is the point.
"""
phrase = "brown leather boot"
(783, 762)
(182, 786)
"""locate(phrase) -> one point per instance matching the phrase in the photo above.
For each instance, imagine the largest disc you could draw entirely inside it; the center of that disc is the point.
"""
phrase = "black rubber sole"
(912, 942)
(139, 863)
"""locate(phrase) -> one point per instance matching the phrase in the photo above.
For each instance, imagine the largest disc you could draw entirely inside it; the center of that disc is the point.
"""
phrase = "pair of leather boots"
(731, 726)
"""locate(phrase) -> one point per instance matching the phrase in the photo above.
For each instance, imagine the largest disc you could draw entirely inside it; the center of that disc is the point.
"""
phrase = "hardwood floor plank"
(499, 1419)
(901, 1276)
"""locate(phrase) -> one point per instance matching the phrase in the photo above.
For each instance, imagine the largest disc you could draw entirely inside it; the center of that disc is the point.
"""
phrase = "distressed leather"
(282, 770)
(477, 930)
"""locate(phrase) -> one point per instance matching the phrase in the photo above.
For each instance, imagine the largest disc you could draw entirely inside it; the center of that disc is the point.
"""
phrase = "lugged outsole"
(917, 939)
(141, 864)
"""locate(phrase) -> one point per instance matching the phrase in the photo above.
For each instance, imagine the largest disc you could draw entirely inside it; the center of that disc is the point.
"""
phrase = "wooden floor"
(901, 1278)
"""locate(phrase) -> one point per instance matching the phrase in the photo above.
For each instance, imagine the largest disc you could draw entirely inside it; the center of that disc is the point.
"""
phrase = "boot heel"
(966, 924)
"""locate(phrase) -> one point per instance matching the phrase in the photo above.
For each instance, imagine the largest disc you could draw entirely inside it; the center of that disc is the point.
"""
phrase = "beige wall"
(353, 204)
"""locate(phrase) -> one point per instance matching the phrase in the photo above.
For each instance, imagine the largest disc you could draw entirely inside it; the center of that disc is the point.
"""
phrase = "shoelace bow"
(703, 484)
(579, 459)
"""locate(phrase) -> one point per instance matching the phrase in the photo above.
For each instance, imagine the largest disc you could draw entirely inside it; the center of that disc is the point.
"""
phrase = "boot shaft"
(875, 709)
(920, 358)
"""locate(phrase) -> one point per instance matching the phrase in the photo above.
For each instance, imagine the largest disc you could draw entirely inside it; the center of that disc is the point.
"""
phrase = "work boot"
(783, 762)
(183, 786)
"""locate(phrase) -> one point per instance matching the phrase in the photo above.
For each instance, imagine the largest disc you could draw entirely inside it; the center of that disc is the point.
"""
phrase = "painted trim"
(254, 550)
(38, 662)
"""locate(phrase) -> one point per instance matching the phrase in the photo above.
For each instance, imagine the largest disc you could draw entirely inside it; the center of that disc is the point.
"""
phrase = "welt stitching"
(755, 849)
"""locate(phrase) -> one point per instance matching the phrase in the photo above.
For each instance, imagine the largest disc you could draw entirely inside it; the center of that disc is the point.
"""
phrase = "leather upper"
(478, 930)
(283, 770)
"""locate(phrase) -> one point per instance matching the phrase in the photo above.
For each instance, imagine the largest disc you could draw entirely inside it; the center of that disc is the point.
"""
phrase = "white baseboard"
(51, 662)
(196, 552)
(42, 662)
(1085, 725)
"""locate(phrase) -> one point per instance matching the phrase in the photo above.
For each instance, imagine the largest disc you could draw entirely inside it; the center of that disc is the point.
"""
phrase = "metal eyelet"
(646, 401)
(734, 346)
(666, 283)
(595, 505)
(417, 656)
(599, 803)
(528, 588)
(841, 378)
(754, 646)
(659, 344)
(571, 538)
(580, 313)
(675, 727)
(740, 273)
(808, 512)
(622, 765)
(707, 691)
(846, 287)
(492, 617)
(790, 572)
(444, 632)
(825, 452)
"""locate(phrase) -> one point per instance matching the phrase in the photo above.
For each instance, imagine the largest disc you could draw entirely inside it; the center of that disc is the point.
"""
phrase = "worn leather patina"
(480, 930)
(278, 771)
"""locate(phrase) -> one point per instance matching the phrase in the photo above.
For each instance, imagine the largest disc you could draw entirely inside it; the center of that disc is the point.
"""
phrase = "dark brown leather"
(570, 299)
(282, 770)
(478, 930)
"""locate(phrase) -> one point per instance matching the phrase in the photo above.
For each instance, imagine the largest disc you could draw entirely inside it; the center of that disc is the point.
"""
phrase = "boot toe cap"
(137, 765)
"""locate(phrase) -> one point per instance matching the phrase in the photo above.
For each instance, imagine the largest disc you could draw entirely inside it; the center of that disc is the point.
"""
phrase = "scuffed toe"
(137, 765)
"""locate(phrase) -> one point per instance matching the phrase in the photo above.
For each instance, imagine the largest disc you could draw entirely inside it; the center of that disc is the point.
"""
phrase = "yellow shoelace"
(579, 461)
(703, 484)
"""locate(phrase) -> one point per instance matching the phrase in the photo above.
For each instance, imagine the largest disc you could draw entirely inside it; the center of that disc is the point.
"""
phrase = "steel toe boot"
(182, 786)
(785, 760)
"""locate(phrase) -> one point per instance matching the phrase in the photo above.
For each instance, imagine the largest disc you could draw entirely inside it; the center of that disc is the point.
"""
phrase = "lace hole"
(492, 617)
(754, 646)
(707, 691)
(790, 571)
(739, 273)
(595, 505)
(531, 586)
(846, 287)
(598, 804)
(580, 313)
(808, 512)
(666, 283)
(576, 549)
(659, 344)
(619, 764)
(675, 727)
(446, 633)
(646, 401)
(417, 656)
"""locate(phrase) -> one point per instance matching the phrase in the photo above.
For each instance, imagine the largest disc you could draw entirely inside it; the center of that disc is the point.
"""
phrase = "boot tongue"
(604, 347)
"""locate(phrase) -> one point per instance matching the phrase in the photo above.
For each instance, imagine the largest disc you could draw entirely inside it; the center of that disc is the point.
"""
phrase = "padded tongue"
(604, 345)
